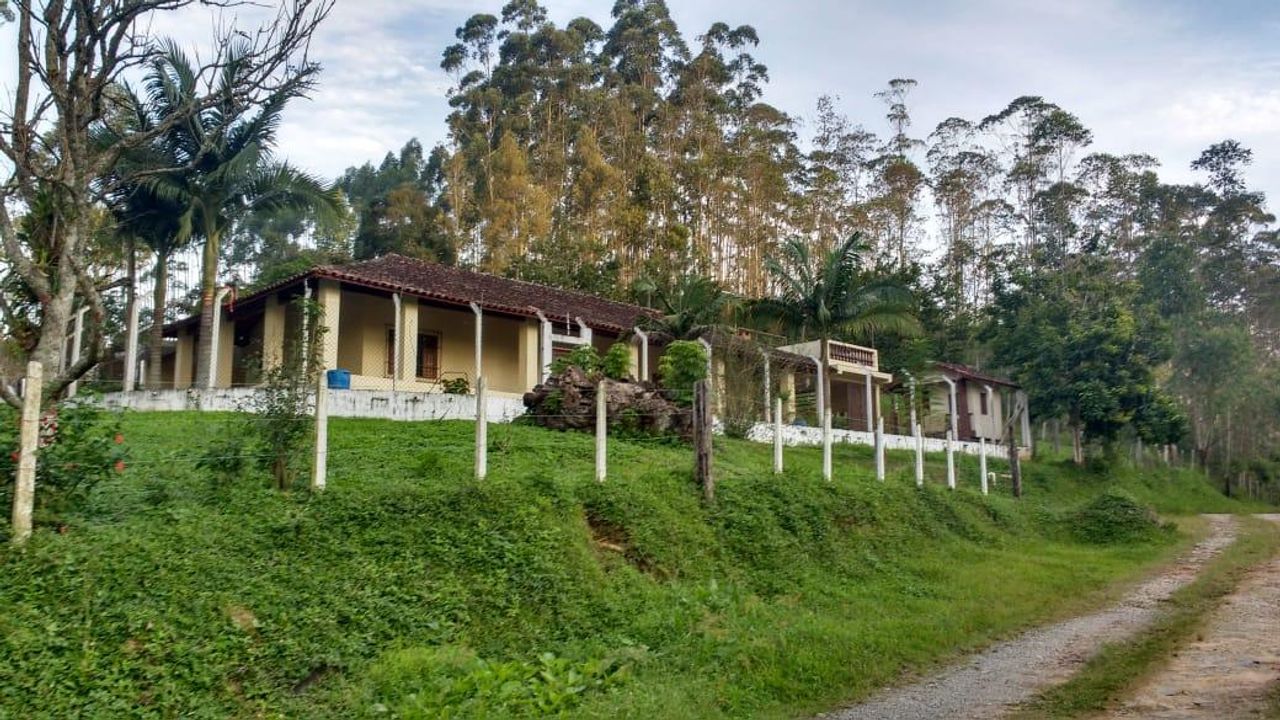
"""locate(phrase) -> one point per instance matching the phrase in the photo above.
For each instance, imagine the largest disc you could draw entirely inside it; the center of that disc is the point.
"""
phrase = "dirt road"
(986, 684)
(1229, 669)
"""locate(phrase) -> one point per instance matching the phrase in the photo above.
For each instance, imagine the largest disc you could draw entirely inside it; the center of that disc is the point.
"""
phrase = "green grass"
(407, 588)
(1119, 667)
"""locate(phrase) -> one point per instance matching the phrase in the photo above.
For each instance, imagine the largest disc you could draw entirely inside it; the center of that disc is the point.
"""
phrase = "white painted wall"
(342, 403)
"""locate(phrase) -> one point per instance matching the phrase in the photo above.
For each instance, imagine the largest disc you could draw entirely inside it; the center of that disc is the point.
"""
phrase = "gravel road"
(986, 684)
(1229, 669)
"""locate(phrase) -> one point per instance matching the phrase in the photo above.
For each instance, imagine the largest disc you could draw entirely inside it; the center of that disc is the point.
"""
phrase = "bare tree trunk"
(155, 335)
(208, 291)
(1015, 464)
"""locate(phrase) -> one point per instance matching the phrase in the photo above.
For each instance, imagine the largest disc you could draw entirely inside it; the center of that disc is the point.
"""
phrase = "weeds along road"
(1229, 669)
(986, 684)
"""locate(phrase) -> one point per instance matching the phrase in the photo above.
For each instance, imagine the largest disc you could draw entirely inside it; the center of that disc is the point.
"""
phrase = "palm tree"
(691, 308)
(223, 169)
(827, 296)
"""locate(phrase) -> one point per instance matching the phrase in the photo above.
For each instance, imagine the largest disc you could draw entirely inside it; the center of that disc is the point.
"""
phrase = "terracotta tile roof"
(454, 285)
(498, 294)
(956, 370)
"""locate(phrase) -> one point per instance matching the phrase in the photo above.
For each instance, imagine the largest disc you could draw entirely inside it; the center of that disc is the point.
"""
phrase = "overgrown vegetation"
(80, 446)
(228, 599)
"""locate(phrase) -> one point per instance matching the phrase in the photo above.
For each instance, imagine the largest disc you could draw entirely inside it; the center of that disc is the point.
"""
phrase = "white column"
(777, 436)
(982, 463)
(911, 389)
(482, 430)
(880, 449)
(768, 382)
(479, 338)
(919, 456)
(869, 400)
(821, 382)
(320, 468)
(602, 431)
(643, 337)
(584, 331)
(397, 343)
(24, 490)
(544, 346)
(951, 461)
(955, 406)
(826, 446)
(216, 340)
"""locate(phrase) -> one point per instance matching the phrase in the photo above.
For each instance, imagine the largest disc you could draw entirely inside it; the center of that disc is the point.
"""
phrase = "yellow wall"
(182, 361)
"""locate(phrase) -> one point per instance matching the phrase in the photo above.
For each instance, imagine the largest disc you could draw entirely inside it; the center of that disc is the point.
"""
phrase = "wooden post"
(982, 463)
(482, 429)
(320, 468)
(1015, 467)
(602, 431)
(951, 461)
(880, 449)
(777, 436)
(826, 445)
(702, 439)
(919, 456)
(24, 491)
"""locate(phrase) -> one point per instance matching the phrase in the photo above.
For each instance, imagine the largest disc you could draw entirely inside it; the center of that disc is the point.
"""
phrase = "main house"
(407, 326)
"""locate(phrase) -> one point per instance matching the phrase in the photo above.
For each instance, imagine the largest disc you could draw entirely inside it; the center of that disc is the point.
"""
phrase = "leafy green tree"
(1083, 346)
(692, 307)
(225, 169)
(826, 297)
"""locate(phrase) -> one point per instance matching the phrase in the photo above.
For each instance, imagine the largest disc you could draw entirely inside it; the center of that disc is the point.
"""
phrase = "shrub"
(1113, 518)
(80, 446)
(616, 363)
(583, 357)
(683, 363)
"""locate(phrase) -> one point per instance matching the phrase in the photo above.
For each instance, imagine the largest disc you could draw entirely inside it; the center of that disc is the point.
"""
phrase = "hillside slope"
(407, 589)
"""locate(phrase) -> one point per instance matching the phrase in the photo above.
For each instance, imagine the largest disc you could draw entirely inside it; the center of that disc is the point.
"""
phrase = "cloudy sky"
(1167, 77)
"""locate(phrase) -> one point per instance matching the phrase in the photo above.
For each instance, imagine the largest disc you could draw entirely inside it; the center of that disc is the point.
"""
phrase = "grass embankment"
(407, 589)
(1119, 667)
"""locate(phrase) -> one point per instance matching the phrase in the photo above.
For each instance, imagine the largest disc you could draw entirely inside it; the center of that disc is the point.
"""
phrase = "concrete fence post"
(24, 490)
(482, 429)
(777, 436)
(919, 456)
(602, 431)
(320, 468)
(826, 445)
(951, 461)
(880, 449)
(982, 463)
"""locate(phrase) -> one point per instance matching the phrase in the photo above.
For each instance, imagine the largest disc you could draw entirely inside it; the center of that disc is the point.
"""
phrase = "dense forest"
(625, 159)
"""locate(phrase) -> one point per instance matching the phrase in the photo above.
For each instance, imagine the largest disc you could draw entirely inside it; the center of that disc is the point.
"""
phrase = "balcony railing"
(853, 354)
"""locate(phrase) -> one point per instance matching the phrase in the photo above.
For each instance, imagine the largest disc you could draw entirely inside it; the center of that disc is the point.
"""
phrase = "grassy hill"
(409, 590)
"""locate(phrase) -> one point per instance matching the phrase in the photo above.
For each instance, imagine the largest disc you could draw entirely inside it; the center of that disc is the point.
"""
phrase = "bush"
(1114, 517)
(616, 363)
(80, 446)
(683, 363)
(583, 357)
